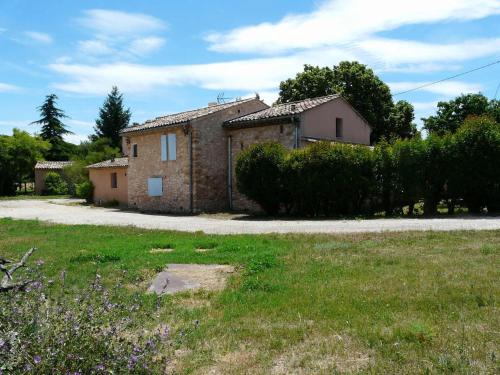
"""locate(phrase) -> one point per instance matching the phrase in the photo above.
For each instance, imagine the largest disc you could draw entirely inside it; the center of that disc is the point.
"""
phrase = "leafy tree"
(55, 184)
(53, 128)
(450, 115)
(112, 118)
(18, 157)
(401, 120)
(355, 82)
(26, 151)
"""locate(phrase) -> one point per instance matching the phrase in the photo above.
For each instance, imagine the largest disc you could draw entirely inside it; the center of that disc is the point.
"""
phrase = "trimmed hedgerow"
(339, 179)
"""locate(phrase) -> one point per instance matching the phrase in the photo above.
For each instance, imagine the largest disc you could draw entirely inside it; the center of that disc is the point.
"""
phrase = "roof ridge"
(303, 100)
(198, 109)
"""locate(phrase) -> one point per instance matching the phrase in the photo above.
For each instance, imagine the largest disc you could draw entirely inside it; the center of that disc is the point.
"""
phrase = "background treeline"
(458, 169)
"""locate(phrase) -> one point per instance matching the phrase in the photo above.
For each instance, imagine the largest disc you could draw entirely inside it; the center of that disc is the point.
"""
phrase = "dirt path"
(60, 211)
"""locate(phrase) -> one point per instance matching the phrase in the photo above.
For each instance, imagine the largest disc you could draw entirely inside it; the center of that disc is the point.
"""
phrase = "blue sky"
(169, 56)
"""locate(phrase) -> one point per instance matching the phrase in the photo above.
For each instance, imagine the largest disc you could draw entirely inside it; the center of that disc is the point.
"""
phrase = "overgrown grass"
(372, 303)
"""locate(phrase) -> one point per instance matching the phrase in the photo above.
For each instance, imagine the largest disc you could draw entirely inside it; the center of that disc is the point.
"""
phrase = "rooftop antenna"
(221, 99)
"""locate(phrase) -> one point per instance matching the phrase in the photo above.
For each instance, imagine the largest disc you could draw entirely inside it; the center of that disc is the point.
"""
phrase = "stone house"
(185, 162)
(44, 167)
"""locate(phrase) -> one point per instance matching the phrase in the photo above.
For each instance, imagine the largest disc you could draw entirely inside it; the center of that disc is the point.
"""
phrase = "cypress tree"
(112, 118)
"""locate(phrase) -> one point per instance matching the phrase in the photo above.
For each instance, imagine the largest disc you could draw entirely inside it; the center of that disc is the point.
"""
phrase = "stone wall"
(103, 192)
(210, 165)
(148, 163)
(241, 139)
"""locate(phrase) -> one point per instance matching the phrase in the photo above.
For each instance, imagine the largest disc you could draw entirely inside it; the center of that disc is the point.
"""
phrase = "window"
(134, 150)
(168, 147)
(114, 181)
(339, 131)
(155, 186)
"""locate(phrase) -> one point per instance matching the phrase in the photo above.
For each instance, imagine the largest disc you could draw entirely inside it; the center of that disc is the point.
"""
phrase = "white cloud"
(447, 88)
(94, 47)
(6, 87)
(335, 22)
(144, 46)
(2, 30)
(39, 37)
(116, 23)
(76, 138)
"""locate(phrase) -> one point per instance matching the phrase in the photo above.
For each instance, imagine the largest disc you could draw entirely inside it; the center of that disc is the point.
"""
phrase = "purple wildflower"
(37, 359)
(100, 367)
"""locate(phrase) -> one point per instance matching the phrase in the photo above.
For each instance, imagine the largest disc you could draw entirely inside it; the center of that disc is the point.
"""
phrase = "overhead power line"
(446, 79)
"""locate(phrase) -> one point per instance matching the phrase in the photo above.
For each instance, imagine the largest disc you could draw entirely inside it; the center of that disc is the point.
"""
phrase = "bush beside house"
(340, 179)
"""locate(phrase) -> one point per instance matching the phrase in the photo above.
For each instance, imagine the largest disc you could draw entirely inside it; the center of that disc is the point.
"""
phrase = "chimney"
(112, 159)
(292, 107)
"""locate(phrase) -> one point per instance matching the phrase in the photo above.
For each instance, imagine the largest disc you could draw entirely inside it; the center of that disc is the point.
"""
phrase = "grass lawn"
(369, 303)
(31, 196)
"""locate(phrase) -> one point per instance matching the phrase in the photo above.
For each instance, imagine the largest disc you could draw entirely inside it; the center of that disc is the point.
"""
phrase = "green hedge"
(340, 179)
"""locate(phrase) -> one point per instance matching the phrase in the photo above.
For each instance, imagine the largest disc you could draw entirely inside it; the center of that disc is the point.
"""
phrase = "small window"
(339, 131)
(155, 186)
(134, 150)
(114, 181)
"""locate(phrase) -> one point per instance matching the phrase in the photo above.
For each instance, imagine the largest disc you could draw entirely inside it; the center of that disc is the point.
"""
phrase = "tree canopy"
(366, 92)
(19, 155)
(451, 114)
(112, 118)
(53, 129)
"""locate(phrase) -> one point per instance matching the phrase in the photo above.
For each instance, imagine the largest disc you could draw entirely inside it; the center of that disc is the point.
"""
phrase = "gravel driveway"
(62, 211)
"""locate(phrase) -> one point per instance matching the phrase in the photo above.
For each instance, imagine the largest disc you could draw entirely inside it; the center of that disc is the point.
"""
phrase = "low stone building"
(110, 181)
(44, 167)
(329, 118)
(185, 162)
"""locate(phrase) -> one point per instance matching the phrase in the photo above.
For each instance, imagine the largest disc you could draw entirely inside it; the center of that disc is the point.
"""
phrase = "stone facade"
(197, 180)
(148, 163)
(245, 137)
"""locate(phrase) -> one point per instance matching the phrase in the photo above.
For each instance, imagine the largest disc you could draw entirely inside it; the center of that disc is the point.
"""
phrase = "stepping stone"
(182, 277)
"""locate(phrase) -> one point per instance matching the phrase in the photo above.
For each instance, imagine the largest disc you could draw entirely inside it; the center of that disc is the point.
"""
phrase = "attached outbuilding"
(110, 181)
(44, 167)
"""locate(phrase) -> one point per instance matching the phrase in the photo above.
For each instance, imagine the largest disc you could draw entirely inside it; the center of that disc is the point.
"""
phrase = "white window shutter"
(172, 147)
(155, 187)
(163, 147)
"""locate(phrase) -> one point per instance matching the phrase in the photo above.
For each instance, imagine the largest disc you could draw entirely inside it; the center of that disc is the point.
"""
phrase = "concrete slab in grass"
(182, 277)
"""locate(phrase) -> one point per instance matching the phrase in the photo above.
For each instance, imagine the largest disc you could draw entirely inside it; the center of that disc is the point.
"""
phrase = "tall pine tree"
(53, 129)
(112, 118)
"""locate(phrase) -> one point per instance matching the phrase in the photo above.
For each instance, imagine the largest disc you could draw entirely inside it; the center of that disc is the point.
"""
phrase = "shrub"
(325, 179)
(85, 190)
(385, 176)
(94, 332)
(477, 146)
(259, 175)
(55, 184)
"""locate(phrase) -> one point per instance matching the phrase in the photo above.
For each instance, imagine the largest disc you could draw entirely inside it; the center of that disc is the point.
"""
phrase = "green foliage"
(338, 179)
(18, 156)
(361, 88)
(477, 145)
(113, 118)
(85, 190)
(326, 179)
(259, 171)
(401, 120)
(53, 129)
(450, 115)
(90, 333)
(55, 184)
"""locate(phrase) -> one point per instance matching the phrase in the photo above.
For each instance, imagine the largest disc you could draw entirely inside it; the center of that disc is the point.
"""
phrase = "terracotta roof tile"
(282, 110)
(112, 163)
(52, 164)
(182, 117)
